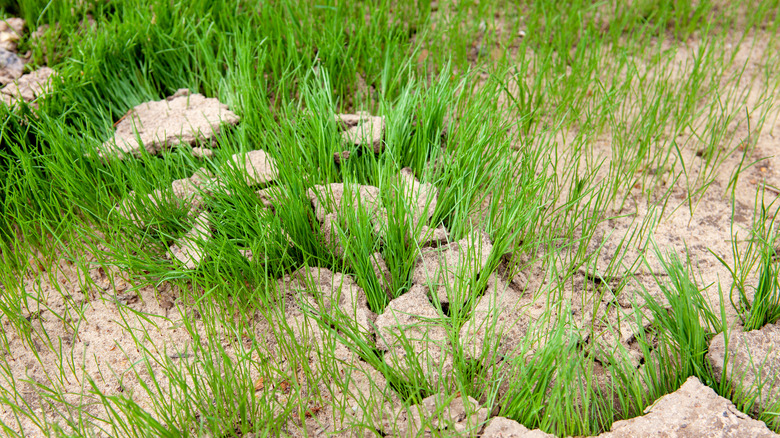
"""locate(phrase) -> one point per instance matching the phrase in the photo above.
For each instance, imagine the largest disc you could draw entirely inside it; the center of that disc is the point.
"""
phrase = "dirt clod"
(412, 332)
(692, 410)
(753, 363)
(448, 268)
(189, 249)
(158, 125)
(500, 427)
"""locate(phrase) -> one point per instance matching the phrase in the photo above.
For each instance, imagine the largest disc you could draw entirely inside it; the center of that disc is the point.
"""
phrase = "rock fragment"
(694, 410)
(260, 168)
(753, 366)
(11, 67)
(413, 336)
(29, 86)
(447, 268)
(188, 250)
(157, 125)
(500, 427)
(437, 414)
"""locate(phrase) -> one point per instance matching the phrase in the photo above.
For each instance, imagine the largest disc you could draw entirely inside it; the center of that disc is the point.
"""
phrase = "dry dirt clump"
(444, 269)
(501, 317)
(330, 207)
(438, 414)
(694, 410)
(183, 118)
(11, 30)
(752, 363)
(257, 166)
(500, 427)
(412, 332)
(189, 249)
(29, 86)
(189, 193)
(360, 130)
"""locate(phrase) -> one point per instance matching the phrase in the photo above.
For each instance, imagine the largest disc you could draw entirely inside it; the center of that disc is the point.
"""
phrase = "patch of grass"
(539, 139)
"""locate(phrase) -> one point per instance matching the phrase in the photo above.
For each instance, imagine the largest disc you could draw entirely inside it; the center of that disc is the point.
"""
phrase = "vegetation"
(539, 123)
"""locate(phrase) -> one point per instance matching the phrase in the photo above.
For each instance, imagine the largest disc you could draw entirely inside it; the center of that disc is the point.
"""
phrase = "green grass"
(539, 141)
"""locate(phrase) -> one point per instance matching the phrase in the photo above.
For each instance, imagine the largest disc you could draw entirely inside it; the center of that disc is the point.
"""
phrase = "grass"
(598, 114)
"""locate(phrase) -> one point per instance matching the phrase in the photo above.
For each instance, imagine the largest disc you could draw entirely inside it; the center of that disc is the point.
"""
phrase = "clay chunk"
(362, 129)
(189, 250)
(692, 410)
(411, 332)
(437, 415)
(183, 118)
(259, 167)
(10, 31)
(335, 198)
(753, 363)
(29, 86)
(448, 267)
(500, 427)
